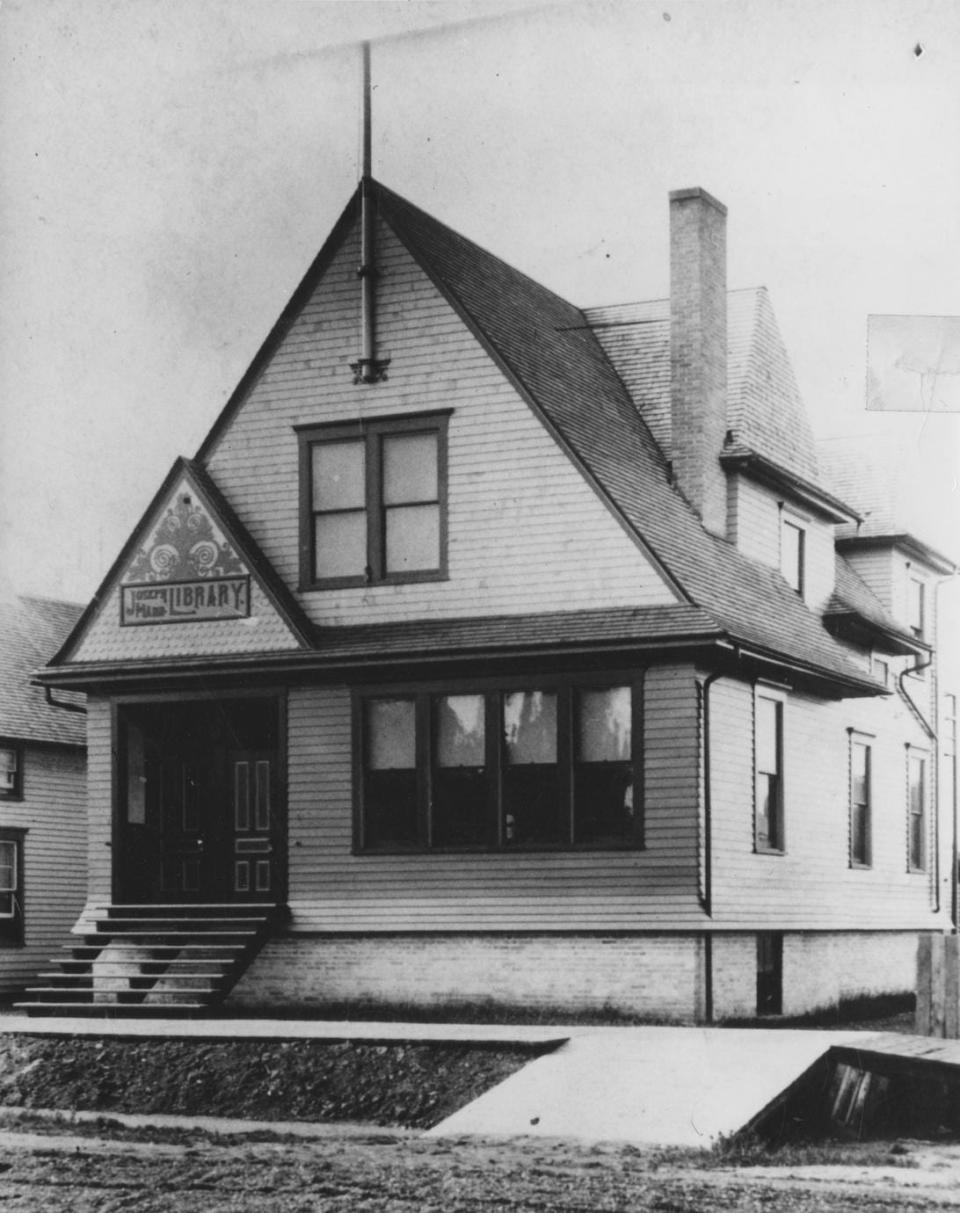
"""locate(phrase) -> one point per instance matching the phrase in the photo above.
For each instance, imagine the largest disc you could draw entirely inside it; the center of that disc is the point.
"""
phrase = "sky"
(169, 169)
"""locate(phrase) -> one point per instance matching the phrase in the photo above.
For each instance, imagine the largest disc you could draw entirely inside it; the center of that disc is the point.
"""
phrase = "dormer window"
(916, 606)
(792, 553)
(373, 502)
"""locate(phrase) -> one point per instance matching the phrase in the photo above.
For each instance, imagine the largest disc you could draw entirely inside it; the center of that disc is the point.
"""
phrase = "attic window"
(792, 553)
(373, 502)
(915, 607)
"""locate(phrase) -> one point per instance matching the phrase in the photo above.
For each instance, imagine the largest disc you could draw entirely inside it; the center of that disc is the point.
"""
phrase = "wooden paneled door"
(254, 826)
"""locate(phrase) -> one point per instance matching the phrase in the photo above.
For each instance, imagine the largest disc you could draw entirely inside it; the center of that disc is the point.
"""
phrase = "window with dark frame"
(11, 771)
(916, 606)
(861, 796)
(768, 749)
(792, 554)
(373, 501)
(916, 812)
(11, 886)
(526, 767)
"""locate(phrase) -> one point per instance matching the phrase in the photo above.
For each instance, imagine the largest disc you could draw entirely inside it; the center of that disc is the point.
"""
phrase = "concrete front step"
(149, 959)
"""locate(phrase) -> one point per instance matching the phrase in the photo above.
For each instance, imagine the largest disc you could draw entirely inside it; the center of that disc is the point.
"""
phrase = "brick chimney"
(698, 351)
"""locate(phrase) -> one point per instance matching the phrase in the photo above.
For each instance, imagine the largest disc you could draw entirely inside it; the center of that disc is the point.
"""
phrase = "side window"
(861, 802)
(916, 812)
(390, 785)
(916, 607)
(533, 810)
(768, 752)
(603, 765)
(11, 886)
(11, 771)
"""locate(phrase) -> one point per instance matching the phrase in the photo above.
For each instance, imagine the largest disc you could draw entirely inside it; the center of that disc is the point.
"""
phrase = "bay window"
(525, 766)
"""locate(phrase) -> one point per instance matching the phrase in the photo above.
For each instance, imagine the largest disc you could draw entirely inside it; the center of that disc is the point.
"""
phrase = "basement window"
(373, 502)
(510, 768)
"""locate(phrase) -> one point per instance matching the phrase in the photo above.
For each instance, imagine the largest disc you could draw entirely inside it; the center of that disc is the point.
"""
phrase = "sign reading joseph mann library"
(182, 601)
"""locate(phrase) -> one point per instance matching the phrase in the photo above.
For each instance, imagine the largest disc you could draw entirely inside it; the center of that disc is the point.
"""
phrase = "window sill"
(860, 867)
(529, 848)
(354, 583)
(758, 850)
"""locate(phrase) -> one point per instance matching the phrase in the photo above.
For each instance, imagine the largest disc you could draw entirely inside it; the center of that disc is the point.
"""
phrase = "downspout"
(706, 900)
(57, 703)
(934, 771)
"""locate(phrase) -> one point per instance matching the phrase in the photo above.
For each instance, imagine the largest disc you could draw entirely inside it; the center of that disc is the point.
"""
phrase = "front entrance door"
(200, 818)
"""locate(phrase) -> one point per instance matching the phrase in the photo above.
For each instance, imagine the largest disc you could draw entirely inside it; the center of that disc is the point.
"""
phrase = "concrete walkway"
(661, 1086)
(654, 1085)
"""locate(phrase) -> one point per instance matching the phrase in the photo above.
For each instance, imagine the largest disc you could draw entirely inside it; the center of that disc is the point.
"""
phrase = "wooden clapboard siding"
(812, 885)
(754, 514)
(52, 812)
(334, 890)
(99, 799)
(526, 532)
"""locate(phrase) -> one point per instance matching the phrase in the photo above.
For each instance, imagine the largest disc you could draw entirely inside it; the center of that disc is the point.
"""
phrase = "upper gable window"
(792, 553)
(373, 501)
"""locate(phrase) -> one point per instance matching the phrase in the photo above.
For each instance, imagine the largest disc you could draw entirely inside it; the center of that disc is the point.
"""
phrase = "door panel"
(255, 832)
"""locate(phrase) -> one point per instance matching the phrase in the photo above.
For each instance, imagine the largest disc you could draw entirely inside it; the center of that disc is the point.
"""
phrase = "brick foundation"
(655, 976)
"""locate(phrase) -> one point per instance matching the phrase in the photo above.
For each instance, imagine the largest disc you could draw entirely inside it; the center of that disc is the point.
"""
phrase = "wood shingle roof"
(31, 631)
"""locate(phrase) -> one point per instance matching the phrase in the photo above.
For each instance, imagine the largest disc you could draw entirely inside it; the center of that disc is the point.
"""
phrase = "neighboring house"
(510, 650)
(43, 871)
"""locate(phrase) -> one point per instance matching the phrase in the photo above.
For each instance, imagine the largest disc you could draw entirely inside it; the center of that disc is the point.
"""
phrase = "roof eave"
(771, 474)
(852, 623)
(910, 544)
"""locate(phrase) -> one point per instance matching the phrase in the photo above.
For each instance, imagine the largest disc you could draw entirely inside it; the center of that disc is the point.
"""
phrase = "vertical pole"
(367, 371)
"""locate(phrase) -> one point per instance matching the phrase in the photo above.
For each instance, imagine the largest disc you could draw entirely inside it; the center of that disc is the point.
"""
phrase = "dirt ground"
(64, 1171)
(415, 1085)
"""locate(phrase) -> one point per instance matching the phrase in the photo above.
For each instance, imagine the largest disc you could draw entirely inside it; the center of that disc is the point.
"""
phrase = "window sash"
(916, 817)
(792, 553)
(916, 606)
(9, 877)
(500, 769)
(381, 517)
(861, 797)
(10, 771)
(768, 774)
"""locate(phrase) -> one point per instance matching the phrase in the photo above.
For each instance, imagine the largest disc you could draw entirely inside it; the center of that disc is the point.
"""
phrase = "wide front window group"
(533, 766)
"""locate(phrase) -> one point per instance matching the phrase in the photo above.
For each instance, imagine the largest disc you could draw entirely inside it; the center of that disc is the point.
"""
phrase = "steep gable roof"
(31, 631)
(550, 352)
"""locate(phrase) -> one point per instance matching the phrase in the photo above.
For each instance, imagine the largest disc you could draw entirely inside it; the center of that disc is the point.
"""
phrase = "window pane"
(604, 725)
(409, 468)
(858, 842)
(391, 735)
(340, 547)
(8, 770)
(530, 727)
(915, 606)
(916, 785)
(8, 867)
(768, 719)
(460, 731)
(861, 774)
(339, 476)
(603, 802)
(768, 819)
(413, 538)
